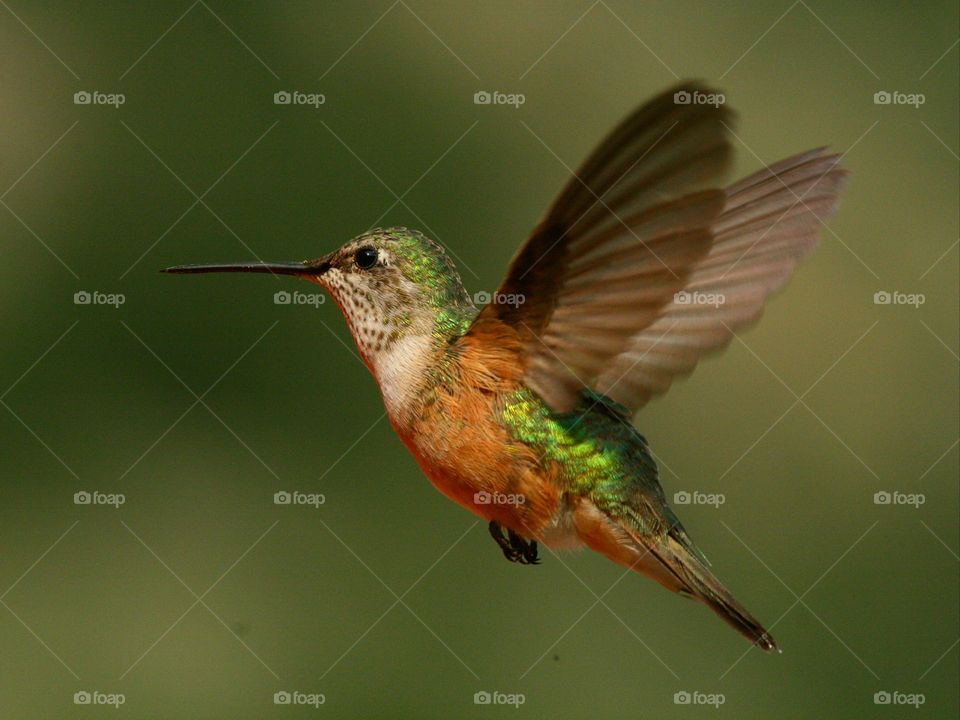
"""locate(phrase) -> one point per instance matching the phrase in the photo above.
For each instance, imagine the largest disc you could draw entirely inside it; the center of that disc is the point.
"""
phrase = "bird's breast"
(464, 448)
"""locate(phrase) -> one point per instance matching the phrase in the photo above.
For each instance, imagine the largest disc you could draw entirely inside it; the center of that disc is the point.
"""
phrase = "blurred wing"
(770, 220)
(626, 233)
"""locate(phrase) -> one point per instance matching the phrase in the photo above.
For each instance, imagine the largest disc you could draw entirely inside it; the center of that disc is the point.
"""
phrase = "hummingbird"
(521, 411)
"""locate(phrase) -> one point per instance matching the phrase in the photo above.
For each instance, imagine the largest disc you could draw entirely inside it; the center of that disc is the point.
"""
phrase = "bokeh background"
(199, 397)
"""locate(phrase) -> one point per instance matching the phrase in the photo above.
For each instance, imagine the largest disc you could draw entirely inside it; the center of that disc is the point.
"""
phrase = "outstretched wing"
(770, 221)
(639, 268)
(623, 237)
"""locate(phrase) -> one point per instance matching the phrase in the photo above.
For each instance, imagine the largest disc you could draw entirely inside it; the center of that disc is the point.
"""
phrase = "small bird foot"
(515, 548)
(509, 552)
(526, 548)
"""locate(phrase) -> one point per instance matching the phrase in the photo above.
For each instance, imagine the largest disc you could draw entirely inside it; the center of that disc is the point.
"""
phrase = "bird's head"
(395, 287)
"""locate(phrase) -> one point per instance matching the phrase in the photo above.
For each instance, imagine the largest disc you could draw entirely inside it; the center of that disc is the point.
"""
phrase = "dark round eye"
(365, 258)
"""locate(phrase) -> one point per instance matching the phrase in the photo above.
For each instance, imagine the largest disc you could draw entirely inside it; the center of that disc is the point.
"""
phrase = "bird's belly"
(494, 481)
(550, 521)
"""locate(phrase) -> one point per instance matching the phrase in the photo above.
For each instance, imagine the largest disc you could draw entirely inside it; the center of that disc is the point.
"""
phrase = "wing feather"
(642, 265)
(622, 237)
(770, 222)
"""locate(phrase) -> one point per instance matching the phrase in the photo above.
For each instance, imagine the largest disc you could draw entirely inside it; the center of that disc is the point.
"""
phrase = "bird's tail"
(672, 560)
(696, 580)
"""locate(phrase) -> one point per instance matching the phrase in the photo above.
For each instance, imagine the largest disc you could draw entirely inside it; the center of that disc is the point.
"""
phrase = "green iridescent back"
(599, 452)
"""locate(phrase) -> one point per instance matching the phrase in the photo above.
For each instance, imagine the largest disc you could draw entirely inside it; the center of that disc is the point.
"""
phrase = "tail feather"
(671, 561)
(703, 585)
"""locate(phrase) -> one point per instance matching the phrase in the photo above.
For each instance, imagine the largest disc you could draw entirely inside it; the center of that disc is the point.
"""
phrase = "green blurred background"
(863, 597)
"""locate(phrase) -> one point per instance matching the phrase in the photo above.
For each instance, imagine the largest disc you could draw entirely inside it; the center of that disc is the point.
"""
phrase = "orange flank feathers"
(466, 452)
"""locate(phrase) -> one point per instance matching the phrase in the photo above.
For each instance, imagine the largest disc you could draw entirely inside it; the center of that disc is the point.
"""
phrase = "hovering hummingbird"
(520, 411)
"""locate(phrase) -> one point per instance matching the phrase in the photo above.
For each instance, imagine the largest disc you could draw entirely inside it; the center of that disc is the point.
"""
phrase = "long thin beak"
(305, 267)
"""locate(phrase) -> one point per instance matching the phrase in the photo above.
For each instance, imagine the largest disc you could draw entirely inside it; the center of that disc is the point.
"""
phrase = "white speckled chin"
(392, 331)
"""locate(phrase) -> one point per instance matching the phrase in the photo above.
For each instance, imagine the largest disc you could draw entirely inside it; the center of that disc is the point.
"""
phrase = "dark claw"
(531, 553)
(509, 552)
(526, 548)
(514, 547)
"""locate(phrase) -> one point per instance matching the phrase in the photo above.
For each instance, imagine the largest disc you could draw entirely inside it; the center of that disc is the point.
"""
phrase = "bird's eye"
(365, 258)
